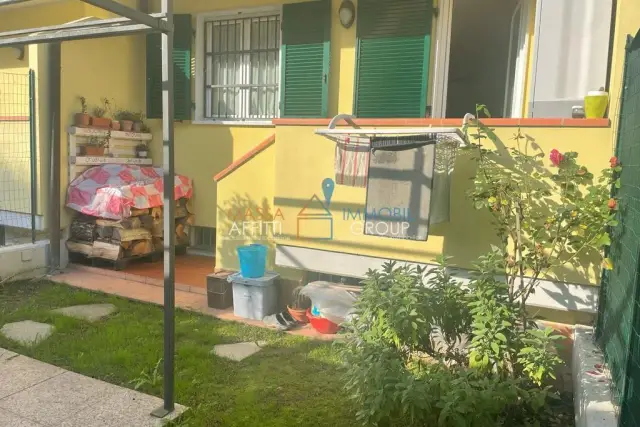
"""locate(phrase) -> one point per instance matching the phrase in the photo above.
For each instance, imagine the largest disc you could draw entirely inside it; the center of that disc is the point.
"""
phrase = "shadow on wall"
(469, 233)
(577, 270)
(243, 220)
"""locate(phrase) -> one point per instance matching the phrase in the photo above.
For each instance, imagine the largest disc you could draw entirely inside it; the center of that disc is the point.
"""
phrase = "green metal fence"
(618, 326)
(17, 158)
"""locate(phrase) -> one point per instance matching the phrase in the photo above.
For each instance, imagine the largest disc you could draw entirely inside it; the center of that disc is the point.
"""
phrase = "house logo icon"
(315, 220)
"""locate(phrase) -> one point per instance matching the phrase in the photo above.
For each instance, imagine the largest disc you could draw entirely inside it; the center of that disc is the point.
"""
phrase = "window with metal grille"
(242, 68)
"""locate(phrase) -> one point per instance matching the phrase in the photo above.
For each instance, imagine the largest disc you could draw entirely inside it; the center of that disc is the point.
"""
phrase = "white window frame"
(200, 63)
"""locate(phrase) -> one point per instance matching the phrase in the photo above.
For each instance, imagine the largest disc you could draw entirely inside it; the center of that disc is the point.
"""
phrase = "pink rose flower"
(556, 157)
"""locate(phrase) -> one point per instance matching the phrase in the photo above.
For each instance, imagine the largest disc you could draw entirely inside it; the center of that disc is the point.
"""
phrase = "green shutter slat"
(182, 42)
(305, 57)
(392, 57)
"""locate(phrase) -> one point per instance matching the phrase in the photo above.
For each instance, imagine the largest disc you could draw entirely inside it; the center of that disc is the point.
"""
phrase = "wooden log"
(82, 229)
(80, 247)
(181, 212)
(139, 212)
(158, 243)
(122, 235)
(127, 223)
(157, 230)
(104, 233)
(146, 222)
(140, 247)
(156, 213)
(106, 250)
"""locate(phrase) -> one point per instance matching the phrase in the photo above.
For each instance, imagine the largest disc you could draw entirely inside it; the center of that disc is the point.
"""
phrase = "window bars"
(242, 68)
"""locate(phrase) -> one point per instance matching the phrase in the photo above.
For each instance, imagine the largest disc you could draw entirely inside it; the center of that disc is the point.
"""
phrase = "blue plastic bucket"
(253, 260)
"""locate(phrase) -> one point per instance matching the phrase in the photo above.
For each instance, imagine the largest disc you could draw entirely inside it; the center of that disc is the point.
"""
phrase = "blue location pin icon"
(327, 188)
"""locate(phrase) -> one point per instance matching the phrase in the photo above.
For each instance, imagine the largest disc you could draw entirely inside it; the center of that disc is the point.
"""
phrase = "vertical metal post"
(169, 210)
(55, 155)
(33, 151)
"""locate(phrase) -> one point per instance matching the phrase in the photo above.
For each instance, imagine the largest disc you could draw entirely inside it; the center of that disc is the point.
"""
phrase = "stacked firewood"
(140, 234)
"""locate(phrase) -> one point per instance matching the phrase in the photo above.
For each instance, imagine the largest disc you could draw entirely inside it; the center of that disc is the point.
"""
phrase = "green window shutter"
(304, 82)
(182, 37)
(394, 43)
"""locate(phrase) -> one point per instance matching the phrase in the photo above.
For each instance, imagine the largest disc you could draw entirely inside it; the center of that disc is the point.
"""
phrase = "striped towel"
(352, 161)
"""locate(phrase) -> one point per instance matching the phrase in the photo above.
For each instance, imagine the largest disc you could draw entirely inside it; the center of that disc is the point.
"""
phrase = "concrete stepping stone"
(238, 351)
(27, 332)
(88, 312)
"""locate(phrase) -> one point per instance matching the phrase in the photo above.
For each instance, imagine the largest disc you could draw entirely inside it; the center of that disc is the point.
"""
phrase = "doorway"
(487, 57)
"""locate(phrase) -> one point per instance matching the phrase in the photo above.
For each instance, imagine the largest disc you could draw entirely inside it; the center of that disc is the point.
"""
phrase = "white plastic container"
(254, 298)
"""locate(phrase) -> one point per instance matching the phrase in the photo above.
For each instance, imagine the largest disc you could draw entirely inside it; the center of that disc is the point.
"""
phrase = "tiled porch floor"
(191, 270)
(189, 298)
(190, 274)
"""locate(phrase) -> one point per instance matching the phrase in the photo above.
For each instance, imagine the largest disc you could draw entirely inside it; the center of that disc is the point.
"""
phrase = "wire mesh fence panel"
(16, 175)
(618, 327)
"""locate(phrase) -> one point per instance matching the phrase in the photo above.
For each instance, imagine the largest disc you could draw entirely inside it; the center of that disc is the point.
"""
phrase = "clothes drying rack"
(362, 136)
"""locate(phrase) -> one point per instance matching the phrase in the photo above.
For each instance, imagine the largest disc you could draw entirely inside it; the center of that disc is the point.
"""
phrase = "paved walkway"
(36, 394)
(188, 300)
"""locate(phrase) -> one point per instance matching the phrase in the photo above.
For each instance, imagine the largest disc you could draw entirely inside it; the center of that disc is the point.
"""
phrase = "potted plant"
(145, 128)
(137, 122)
(82, 118)
(115, 124)
(126, 119)
(95, 146)
(298, 309)
(142, 151)
(99, 120)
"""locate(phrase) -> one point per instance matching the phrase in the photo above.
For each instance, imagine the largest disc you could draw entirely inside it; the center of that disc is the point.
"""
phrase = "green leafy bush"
(409, 364)
(425, 350)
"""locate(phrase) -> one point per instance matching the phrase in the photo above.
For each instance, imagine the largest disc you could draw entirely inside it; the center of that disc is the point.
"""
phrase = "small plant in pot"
(137, 122)
(95, 146)
(298, 308)
(126, 119)
(82, 118)
(115, 124)
(98, 119)
(142, 151)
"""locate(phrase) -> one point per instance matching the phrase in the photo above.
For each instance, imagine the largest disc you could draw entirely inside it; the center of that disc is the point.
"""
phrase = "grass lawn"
(293, 381)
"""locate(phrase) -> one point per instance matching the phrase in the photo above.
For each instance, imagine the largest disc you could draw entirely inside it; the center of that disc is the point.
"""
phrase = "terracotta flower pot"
(298, 314)
(81, 119)
(101, 122)
(137, 126)
(92, 150)
(115, 125)
(126, 125)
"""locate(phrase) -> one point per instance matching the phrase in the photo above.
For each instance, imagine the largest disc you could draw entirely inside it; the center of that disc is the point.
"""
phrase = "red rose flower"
(612, 203)
(613, 161)
(556, 157)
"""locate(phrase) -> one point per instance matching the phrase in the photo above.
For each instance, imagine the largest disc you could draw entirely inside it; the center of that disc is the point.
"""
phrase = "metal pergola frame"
(132, 21)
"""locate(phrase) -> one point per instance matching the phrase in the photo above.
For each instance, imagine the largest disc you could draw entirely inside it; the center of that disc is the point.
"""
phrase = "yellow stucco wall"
(300, 172)
(627, 23)
(245, 198)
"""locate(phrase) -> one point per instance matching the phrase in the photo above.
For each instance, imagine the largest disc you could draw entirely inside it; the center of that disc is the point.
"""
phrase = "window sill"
(523, 122)
(239, 123)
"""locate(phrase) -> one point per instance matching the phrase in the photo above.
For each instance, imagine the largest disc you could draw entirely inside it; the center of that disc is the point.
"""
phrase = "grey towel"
(399, 187)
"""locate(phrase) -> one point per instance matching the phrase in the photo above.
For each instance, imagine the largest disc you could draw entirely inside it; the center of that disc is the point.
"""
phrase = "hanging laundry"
(352, 161)
(399, 186)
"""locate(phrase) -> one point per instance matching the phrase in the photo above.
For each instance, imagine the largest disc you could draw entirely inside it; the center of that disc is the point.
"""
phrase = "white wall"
(571, 47)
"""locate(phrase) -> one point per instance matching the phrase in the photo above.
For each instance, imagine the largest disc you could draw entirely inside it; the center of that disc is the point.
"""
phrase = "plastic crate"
(254, 298)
